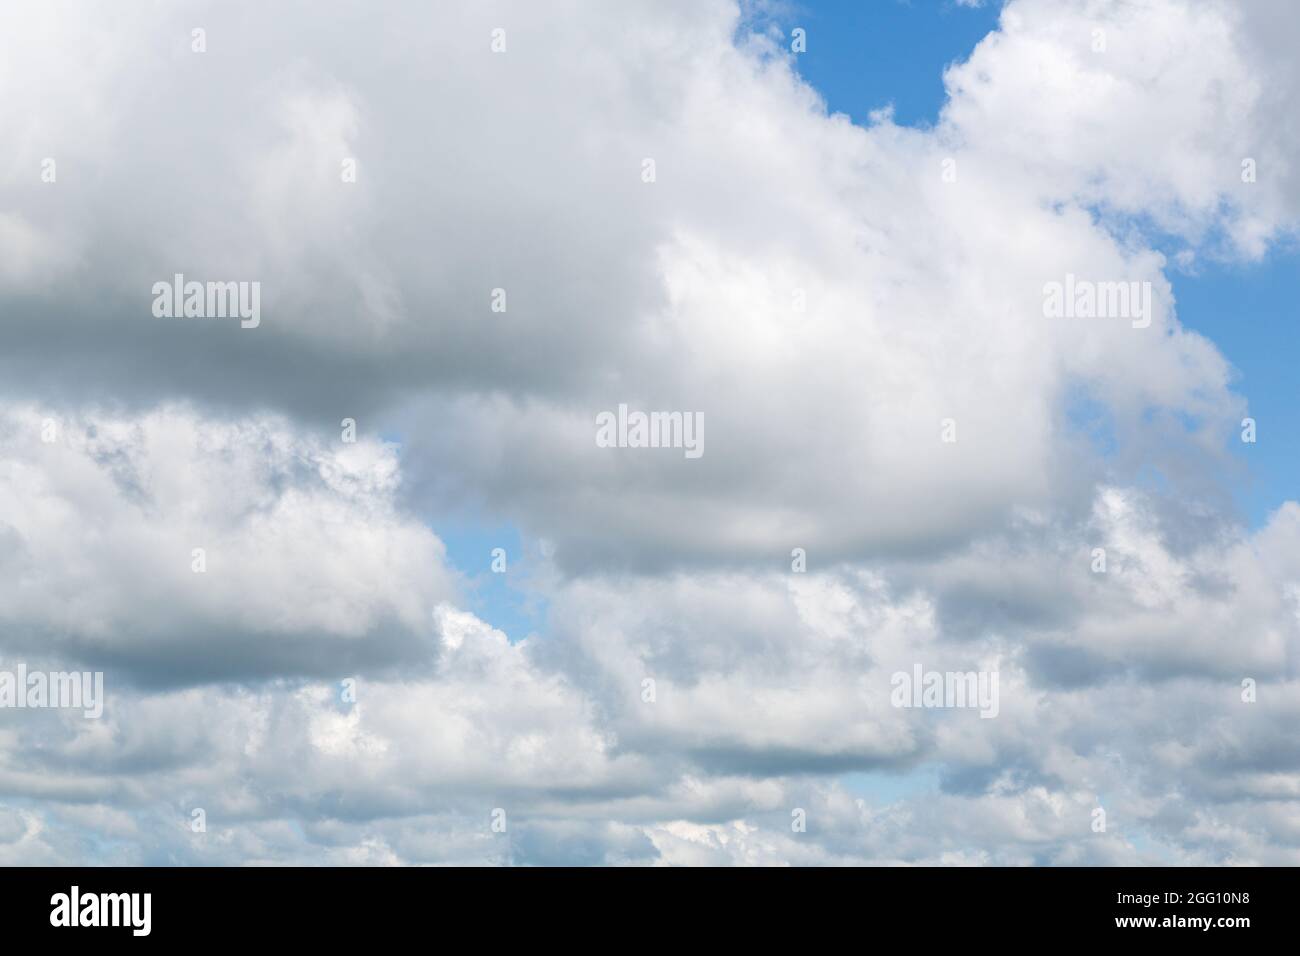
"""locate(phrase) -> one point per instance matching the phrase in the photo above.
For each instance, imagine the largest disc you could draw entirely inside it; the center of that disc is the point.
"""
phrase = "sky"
(366, 584)
(867, 56)
(893, 53)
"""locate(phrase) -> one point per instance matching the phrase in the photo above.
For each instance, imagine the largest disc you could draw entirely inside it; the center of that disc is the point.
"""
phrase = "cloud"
(183, 549)
(831, 298)
(1140, 110)
(765, 691)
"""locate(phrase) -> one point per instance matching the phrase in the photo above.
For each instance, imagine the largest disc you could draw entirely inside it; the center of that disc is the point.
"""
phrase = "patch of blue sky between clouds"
(502, 599)
(882, 788)
(866, 55)
(1248, 311)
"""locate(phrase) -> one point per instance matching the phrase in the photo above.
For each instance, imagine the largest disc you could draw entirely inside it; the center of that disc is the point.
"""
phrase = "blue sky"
(865, 55)
(1248, 311)
(498, 598)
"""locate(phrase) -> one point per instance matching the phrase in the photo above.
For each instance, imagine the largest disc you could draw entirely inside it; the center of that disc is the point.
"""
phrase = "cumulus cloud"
(834, 299)
(185, 549)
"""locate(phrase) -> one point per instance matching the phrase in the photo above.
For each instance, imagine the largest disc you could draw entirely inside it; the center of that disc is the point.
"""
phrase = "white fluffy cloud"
(188, 549)
(1144, 109)
(1085, 139)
